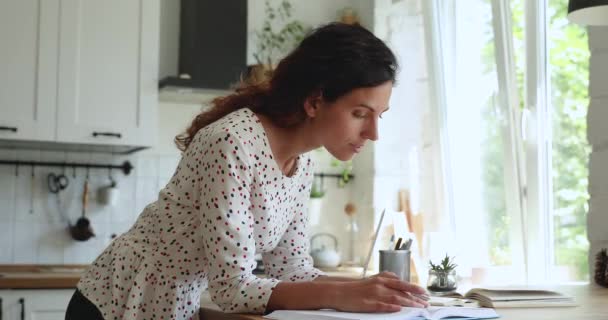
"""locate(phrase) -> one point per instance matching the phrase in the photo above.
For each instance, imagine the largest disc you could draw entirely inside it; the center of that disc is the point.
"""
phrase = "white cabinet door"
(28, 69)
(46, 304)
(13, 305)
(35, 304)
(108, 62)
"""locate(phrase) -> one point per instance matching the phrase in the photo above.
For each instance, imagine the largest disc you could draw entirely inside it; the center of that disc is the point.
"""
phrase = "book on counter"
(511, 298)
(430, 313)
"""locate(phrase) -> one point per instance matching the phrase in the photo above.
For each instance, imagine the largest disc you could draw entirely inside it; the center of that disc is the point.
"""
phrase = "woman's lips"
(356, 147)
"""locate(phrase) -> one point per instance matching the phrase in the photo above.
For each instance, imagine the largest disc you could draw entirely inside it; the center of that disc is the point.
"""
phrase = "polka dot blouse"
(226, 201)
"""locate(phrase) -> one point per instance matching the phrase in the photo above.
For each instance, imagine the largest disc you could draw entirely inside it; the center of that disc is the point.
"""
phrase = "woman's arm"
(375, 294)
(334, 279)
(384, 274)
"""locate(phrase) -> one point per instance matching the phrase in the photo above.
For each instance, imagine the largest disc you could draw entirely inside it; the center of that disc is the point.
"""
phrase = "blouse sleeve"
(227, 224)
(291, 259)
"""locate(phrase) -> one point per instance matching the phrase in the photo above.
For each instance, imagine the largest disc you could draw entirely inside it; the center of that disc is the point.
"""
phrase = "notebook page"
(443, 312)
(405, 314)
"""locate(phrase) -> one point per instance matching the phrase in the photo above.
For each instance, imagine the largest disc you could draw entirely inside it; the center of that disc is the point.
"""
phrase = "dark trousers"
(81, 308)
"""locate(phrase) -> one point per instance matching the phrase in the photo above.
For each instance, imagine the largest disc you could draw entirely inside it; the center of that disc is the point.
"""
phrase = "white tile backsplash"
(6, 239)
(34, 225)
(25, 242)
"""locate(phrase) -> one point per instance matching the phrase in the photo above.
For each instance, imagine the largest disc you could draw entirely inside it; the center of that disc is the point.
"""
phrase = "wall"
(597, 133)
(33, 229)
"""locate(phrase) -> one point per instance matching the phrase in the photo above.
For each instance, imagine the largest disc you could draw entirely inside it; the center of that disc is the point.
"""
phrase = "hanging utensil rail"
(125, 167)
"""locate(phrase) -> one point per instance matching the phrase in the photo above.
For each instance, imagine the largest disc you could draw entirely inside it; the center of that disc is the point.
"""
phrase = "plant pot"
(442, 282)
(314, 211)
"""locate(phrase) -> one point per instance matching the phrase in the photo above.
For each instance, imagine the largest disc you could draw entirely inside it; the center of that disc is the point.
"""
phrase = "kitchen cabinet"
(34, 304)
(28, 69)
(79, 72)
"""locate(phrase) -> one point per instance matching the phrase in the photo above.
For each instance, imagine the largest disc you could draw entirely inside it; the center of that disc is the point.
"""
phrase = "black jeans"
(81, 308)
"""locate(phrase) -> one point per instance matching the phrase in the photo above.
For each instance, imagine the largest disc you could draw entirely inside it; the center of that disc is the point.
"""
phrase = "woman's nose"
(371, 131)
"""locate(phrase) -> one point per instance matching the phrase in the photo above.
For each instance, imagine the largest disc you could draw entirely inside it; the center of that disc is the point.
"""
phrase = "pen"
(390, 243)
(407, 245)
(398, 245)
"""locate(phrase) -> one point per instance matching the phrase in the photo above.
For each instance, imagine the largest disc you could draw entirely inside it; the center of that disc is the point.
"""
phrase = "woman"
(241, 188)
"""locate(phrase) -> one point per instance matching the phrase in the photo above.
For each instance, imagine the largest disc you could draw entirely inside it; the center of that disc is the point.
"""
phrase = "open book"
(432, 313)
(517, 298)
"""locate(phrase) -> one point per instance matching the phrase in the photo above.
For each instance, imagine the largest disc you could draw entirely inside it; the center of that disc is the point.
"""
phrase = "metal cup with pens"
(397, 260)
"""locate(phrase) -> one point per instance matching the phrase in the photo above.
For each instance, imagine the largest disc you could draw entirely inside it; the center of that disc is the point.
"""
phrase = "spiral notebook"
(431, 313)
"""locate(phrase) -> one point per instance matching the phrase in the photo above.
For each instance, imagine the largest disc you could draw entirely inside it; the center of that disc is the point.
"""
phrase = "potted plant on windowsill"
(442, 276)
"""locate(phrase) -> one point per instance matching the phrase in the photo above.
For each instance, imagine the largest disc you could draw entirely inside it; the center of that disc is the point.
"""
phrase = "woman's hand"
(384, 292)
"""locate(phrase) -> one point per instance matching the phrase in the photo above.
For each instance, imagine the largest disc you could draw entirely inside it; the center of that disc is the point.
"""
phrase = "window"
(512, 77)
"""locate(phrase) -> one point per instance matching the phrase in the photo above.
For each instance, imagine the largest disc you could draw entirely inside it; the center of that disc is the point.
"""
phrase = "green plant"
(346, 170)
(446, 265)
(316, 191)
(279, 34)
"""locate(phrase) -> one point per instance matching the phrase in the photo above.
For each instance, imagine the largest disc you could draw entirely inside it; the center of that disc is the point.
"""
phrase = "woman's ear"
(312, 104)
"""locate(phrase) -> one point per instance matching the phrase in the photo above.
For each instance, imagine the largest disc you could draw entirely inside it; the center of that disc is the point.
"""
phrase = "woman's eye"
(357, 114)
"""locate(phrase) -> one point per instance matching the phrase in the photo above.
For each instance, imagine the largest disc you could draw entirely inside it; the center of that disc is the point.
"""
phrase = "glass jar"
(441, 281)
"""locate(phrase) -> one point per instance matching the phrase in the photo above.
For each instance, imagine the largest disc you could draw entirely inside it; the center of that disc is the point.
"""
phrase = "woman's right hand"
(382, 293)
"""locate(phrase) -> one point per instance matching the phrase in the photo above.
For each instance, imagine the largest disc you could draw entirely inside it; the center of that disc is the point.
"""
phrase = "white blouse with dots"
(227, 200)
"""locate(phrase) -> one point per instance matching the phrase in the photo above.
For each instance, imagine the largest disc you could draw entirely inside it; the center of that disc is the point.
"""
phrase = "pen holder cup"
(397, 262)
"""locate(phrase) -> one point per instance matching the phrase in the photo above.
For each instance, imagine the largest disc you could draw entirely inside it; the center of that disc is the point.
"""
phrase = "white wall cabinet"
(28, 69)
(35, 304)
(81, 72)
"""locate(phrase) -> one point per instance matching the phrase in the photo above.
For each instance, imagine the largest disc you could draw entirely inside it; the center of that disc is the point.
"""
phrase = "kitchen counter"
(40, 276)
(15, 276)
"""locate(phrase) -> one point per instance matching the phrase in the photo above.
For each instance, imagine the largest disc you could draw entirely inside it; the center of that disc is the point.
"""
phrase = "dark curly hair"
(331, 61)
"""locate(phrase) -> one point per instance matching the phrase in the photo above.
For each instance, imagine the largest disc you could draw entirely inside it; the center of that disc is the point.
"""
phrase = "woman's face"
(345, 125)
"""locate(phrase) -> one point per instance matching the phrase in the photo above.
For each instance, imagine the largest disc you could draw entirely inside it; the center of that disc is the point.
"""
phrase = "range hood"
(212, 44)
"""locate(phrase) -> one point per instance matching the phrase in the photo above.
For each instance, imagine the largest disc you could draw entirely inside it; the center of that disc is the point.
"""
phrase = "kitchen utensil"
(82, 230)
(33, 191)
(57, 183)
(352, 228)
(108, 195)
(324, 257)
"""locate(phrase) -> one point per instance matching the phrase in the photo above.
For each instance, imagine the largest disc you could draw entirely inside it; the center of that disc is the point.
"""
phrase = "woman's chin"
(343, 156)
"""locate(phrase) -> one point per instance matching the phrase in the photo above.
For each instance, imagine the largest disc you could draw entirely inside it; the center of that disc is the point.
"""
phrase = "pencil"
(398, 245)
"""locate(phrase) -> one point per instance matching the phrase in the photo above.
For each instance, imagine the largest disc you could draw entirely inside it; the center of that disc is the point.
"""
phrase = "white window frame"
(528, 146)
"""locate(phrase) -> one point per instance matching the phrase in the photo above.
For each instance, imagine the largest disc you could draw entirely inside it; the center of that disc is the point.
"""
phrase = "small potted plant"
(316, 202)
(442, 276)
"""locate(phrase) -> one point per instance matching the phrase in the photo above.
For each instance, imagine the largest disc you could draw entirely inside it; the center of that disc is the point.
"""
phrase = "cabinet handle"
(1, 311)
(22, 303)
(107, 134)
(13, 129)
